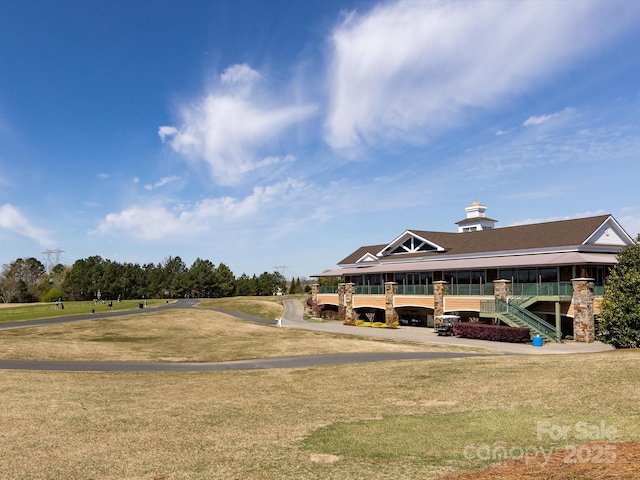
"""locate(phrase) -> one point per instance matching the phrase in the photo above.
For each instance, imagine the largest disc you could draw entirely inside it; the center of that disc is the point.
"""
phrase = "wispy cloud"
(171, 220)
(16, 222)
(162, 182)
(412, 70)
(232, 128)
(540, 119)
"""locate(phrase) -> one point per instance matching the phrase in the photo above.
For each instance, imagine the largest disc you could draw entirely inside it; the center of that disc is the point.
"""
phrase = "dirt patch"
(324, 458)
(604, 461)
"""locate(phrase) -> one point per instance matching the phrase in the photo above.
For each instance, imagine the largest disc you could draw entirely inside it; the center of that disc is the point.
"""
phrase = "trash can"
(537, 341)
(141, 305)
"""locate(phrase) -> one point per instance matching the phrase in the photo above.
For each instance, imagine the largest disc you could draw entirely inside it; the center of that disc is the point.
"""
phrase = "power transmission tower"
(280, 269)
(52, 258)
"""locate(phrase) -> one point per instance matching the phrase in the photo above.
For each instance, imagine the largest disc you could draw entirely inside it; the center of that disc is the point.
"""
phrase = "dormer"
(476, 219)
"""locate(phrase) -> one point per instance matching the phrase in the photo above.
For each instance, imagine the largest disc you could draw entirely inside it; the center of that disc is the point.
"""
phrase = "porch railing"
(561, 289)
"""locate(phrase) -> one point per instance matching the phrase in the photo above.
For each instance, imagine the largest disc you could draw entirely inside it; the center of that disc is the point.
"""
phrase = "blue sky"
(289, 133)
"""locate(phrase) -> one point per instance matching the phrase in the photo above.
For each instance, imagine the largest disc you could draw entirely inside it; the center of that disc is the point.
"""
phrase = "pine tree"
(619, 321)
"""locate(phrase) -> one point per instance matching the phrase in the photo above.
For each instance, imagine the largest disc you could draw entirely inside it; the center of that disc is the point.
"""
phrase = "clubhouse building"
(548, 276)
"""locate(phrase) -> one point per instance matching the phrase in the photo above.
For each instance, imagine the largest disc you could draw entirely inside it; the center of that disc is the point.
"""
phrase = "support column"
(341, 304)
(390, 314)
(583, 317)
(349, 317)
(439, 291)
(500, 293)
(315, 288)
(558, 323)
(501, 289)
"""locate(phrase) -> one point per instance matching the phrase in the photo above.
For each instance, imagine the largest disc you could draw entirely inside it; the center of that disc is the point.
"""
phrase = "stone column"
(349, 318)
(500, 293)
(390, 314)
(341, 304)
(501, 289)
(314, 298)
(583, 318)
(439, 291)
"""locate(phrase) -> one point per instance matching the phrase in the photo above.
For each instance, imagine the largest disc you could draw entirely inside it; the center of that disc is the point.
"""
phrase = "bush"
(52, 295)
(495, 333)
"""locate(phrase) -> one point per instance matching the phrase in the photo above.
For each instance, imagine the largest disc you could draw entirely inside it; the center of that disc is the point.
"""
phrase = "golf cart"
(444, 324)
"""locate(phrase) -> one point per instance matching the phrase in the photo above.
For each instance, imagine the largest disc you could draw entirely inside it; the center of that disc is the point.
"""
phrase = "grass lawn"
(33, 311)
(265, 307)
(391, 420)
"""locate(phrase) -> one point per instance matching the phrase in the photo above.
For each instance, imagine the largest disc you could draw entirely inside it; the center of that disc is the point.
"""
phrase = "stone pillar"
(501, 289)
(390, 314)
(439, 291)
(583, 318)
(315, 288)
(500, 293)
(341, 304)
(349, 317)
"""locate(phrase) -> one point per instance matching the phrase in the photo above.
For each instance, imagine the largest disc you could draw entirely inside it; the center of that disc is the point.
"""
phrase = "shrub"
(495, 333)
(52, 295)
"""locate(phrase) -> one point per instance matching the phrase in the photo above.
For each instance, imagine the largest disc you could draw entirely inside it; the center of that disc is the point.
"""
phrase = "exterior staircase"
(514, 314)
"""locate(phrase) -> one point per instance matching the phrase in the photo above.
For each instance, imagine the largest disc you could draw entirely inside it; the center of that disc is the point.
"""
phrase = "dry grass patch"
(265, 307)
(181, 336)
(321, 423)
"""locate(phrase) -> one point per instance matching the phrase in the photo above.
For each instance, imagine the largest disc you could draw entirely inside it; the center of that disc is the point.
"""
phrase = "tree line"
(27, 280)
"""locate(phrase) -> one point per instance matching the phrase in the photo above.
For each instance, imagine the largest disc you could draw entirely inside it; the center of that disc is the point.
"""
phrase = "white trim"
(401, 239)
(622, 237)
(366, 258)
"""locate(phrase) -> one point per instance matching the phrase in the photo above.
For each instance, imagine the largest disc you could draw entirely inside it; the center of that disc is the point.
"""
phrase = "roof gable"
(409, 242)
(609, 233)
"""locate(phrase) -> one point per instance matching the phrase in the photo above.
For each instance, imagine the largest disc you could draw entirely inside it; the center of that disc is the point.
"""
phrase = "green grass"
(47, 310)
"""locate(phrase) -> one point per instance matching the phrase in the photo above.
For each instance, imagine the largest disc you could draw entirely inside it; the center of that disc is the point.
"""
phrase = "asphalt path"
(291, 314)
(181, 303)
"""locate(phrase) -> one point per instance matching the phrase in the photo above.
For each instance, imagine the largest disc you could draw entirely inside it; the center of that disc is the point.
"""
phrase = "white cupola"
(476, 219)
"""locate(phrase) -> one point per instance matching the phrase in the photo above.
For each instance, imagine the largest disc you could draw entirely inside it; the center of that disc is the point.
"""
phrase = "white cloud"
(102, 176)
(503, 132)
(239, 74)
(166, 220)
(162, 182)
(539, 120)
(13, 220)
(412, 70)
(231, 127)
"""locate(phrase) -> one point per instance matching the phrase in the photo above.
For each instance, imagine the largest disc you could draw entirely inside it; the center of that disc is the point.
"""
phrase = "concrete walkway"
(293, 318)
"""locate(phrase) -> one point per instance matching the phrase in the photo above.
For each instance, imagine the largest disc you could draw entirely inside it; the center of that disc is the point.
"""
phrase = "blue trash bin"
(537, 341)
